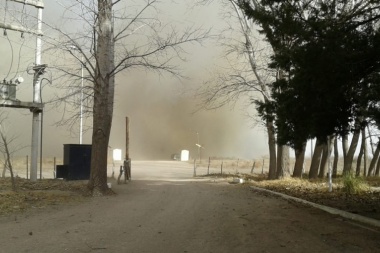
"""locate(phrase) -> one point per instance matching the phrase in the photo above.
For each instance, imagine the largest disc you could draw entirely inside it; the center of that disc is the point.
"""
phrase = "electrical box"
(7, 91)
(76, 162)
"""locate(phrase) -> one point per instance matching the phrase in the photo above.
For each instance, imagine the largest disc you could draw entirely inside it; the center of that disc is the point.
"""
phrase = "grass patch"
(354, 185)
(39, 194)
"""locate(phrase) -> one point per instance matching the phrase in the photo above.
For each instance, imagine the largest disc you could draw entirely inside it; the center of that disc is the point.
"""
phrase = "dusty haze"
(160, 109)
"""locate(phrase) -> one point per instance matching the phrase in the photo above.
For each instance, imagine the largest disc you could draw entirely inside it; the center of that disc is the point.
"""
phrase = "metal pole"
(36, 124)
(42, 125)
(27, 167)
(81, 105)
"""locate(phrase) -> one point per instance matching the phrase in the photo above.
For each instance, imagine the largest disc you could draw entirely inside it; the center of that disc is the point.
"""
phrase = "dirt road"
(165, 210)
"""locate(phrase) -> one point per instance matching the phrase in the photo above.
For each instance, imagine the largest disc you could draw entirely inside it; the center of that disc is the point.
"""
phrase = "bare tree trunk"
(325, 157)
(377, 173)
(365, 151)
(350, 154)
(272, 149)
(283, 170)
(300, 159)
(374, 160)
(359, 162)
(316, 159)
(7, 156)
(279, 159)
(345, 146)
(246, 27)
(103, 99)
(361, 154)
(370, 140)
(322, 166)
(336, 158)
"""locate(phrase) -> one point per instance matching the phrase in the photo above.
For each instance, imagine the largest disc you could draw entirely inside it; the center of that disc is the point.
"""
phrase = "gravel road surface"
(165, 209)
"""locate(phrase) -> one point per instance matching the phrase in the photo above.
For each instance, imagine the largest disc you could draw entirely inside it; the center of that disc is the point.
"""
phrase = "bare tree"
(316, 159)
(113, 40)
(7, 149)
(336, 158)
(362, 155)
(374, 161)
(299, 163)
(326, 154)
(347, 168)
(247, 79)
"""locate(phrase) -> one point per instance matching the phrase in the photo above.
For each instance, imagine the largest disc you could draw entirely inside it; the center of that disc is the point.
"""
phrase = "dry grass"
(365, 201)
(38, 194)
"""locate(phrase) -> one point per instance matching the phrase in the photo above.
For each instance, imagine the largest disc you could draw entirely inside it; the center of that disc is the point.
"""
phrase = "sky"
(161, 109)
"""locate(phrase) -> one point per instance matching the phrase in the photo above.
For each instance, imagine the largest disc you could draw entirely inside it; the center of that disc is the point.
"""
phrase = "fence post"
(195, 167)
(208, 167)
(27, 167)
(262, 168)
(253, 166)
(54, 172)
(221, 169)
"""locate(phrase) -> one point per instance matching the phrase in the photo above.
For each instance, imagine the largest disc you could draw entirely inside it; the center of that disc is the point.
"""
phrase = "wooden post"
(262, 168)
(126, 138)
(54, 169)
(127, 160)
(221, 169)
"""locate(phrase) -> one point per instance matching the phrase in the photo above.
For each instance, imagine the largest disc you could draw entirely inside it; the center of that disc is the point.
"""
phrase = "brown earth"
(47, 192)
(168, 210)
(199, 216)
(37, 195)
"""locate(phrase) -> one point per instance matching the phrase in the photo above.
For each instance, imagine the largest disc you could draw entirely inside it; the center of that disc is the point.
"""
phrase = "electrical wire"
(19, 59)
(10, 68)
(5, 10)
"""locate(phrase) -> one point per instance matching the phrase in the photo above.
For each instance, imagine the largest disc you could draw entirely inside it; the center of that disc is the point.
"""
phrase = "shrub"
(353, 184)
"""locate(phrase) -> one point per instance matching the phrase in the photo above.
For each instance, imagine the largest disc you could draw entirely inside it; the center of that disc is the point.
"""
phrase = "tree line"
(323, 68)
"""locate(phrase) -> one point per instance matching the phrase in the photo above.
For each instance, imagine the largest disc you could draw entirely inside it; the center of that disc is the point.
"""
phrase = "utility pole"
(36, 106)
(36, 125)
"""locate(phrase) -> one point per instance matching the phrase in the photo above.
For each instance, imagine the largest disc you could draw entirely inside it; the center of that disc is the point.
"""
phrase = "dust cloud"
(160, 109)
(163, 122)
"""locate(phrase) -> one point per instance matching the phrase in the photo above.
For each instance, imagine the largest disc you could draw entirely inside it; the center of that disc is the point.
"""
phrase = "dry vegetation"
(39, 194)
(356, 195)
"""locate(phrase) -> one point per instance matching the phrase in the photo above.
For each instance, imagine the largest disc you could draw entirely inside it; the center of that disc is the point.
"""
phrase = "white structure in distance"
(185, 155)
(117, 155)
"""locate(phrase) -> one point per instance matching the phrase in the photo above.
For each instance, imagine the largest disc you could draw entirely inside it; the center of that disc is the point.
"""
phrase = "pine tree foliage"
(329, 54)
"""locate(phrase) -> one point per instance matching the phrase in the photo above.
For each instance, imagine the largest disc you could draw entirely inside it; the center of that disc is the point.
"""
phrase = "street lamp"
(81, 97)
